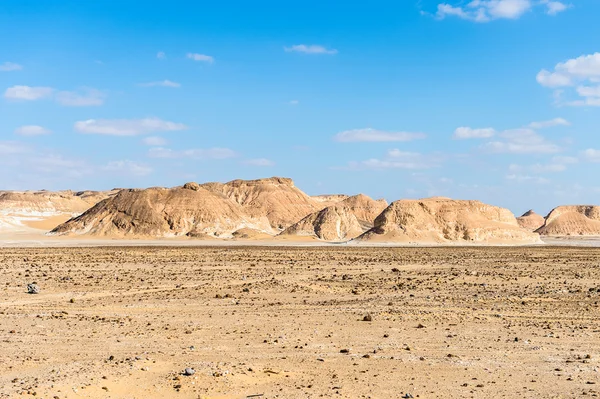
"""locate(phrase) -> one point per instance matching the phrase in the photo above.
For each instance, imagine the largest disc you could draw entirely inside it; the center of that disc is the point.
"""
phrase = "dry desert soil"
(300, 322)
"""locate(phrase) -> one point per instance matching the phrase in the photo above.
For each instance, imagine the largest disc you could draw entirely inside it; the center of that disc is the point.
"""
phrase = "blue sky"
(496, 100)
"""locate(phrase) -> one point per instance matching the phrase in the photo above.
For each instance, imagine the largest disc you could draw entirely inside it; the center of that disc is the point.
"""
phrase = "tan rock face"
(329, 199)
(531, 221)
(345, 220)
(574, 220)
(160, 212)
(42, 210)
(275, 198)
(440, 220)
(41, 202)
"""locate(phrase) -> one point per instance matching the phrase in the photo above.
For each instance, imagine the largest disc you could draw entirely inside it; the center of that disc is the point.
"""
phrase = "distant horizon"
(389, 201)
(494, 100)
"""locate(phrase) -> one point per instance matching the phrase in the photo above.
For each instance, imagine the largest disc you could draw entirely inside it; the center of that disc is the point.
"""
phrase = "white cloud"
(556, 164)
(28, 93)
(126, 127)
(154, 141)
(56, 166)
(12, 147)
(547, 168)
(49, 162)
(444, 10)
(309, 49)
(194, 153)
(554, 7)
(549, 123)
(521, 141)
(486, 10)
(10, 66)
(527, 179)
(577, 71)
(589, 91)
(32, 130)
(259, 162)
(200, 57)
(397, 159)
(469, 133)
(128, 167)
(565, 160)
(82, 98)
(86, 97)
(583, 67)
(591, 155)
(510, 9)
(161, 55)
(373, 135)
(294, 102)
(550, 79)
(163, 83)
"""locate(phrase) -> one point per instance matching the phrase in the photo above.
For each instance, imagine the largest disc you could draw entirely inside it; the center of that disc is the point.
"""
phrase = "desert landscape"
(254, 289)
(299, 200)
(300, 322)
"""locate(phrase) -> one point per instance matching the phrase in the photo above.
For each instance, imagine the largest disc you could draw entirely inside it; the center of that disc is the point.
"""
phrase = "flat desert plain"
(300, 322)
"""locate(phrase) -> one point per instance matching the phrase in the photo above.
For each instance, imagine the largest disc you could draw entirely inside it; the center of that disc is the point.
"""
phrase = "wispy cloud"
(154, 141)
(128, 167)
(463, 133)
(489, 10)
(32, 130)
(12, 147)
(521, 141)
(86, 97)
(549, 123)
(527, 179)
(10, 67)
(28, 93)
(161, 55)
(163, 83)
(200, 57)
(126, 127)
(591, 155)
(555, 165)
(195, 153)
(83, 97)
(309, 49)
(373, 135)
(554, 7)
(397, 159)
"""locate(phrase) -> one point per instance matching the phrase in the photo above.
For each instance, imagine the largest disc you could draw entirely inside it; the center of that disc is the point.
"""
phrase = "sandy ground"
(287, 322)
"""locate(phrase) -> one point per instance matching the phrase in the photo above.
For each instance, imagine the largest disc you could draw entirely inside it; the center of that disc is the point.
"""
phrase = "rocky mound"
(41, 203)
(93, 197)
(345, 220)
(276, 198)
(575, 220)
(441, 220)
(160, 212)
(329, 199)
(531, 221)
(41, 210)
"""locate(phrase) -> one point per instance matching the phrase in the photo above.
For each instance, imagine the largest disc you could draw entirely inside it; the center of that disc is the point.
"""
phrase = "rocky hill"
(572, 220)
(191, 211)
(276, 198)
(345, 220)
(531, 221)
(42, 210)
(442, 220)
